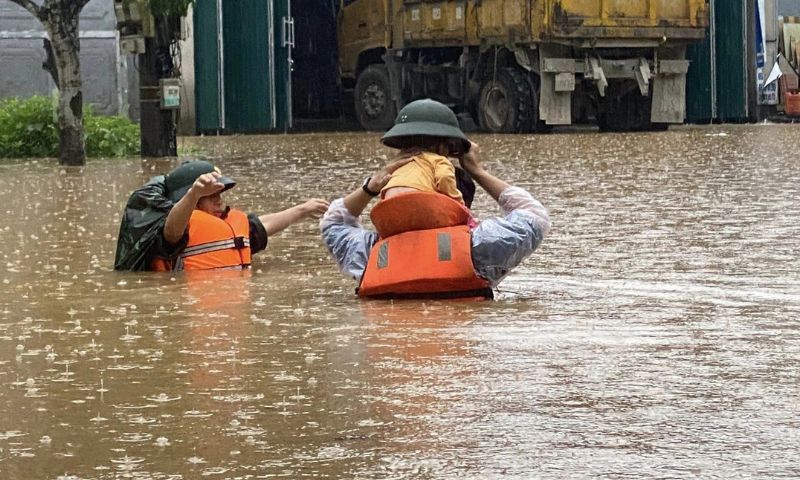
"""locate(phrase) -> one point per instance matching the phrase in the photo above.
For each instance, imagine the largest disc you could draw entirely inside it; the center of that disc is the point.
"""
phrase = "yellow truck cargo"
(522, 65)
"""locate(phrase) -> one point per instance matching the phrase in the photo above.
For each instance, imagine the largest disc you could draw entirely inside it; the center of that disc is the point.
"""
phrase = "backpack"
(140, 232)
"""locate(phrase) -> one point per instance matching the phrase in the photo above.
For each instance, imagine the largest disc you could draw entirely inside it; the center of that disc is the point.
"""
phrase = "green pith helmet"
(428, 118)
(181, 178)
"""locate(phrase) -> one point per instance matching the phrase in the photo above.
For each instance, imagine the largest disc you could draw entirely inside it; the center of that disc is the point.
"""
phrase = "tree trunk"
(61, 22)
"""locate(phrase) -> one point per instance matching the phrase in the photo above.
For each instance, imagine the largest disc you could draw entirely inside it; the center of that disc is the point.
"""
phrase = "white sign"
(775, 74)
(437, 13)
(172, 97)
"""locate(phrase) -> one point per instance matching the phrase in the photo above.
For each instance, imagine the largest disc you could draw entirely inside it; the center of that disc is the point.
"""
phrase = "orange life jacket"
(424, 250)
(213, 243)
(417, 211)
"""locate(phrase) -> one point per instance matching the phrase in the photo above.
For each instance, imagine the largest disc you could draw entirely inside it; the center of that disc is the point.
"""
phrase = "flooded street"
(654, 334)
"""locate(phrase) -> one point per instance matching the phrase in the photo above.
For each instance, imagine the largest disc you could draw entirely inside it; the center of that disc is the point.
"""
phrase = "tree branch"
(49, 63)
(29, 6)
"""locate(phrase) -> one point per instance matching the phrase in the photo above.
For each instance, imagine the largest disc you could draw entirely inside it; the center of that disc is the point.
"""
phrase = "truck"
(519, 66)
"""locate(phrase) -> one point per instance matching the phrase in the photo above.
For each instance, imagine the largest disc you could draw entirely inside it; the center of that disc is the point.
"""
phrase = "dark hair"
(465, 185)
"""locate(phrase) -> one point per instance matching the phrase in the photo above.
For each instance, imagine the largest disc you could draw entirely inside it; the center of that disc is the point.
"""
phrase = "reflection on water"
(653, 335)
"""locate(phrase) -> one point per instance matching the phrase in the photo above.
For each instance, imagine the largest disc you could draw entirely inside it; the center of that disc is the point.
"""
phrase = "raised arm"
(499, 244)
(357, 200)
(470, 162)
(342, 233)
(178, 217)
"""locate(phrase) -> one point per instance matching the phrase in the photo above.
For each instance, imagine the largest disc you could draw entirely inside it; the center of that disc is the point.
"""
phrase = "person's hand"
(470, 161)
(380, 178)
(313, 207)
(206, 185)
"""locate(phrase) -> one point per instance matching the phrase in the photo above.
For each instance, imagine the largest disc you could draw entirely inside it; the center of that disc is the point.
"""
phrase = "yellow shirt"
(428, 172)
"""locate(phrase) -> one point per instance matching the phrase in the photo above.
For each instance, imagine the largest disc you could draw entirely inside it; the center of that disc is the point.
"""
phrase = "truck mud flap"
(669, 92)
(555, 94)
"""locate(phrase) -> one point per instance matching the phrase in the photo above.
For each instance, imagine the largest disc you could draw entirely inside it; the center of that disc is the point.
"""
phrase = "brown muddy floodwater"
(656, 333)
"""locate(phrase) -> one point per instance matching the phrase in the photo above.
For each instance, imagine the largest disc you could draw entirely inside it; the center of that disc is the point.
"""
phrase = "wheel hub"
(374, 100)
(496, 107)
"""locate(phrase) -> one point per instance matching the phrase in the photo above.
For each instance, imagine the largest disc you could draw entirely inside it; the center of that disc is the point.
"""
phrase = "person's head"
(213, 205)
(181, 179)
(428, 125)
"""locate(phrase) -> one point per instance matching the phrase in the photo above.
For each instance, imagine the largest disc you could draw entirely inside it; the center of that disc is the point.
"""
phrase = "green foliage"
(170, 8)
(110, 136)
(28, 128)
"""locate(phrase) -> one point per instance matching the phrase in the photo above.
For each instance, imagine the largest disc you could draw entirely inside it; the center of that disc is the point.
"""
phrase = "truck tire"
(373, 102)
(504, 105)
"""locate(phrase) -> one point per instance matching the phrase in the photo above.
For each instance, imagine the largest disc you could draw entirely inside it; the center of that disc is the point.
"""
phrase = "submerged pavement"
(654, 334)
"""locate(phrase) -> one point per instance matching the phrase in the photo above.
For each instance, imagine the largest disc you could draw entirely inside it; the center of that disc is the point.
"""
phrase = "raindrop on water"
(162, 442)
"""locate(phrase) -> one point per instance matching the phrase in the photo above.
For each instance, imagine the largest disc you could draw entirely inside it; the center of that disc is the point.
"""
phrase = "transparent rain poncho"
(498, 244)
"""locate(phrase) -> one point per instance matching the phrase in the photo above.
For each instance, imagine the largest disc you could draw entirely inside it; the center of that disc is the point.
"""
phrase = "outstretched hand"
(313, 207)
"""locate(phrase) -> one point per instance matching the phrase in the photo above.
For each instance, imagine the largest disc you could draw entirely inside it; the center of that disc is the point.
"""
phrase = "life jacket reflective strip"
(214, 246)
(432, 260)
(216, 242)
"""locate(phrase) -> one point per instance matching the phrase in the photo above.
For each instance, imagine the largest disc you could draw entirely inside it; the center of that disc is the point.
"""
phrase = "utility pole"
(157, 123)
(154, 36)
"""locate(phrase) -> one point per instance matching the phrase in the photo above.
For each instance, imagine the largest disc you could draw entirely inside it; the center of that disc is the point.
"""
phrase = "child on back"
(427, 172)
(427, 131)
(427, 134)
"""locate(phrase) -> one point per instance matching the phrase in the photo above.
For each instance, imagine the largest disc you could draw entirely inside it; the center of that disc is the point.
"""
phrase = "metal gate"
(242, 66)
(720, 80)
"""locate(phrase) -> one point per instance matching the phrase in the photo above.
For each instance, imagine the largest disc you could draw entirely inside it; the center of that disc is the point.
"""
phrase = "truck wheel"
(375, 108)
(504, 105)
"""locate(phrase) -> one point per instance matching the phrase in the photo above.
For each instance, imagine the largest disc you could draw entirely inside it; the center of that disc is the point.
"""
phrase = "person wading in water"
(426, 244)
(180, 222)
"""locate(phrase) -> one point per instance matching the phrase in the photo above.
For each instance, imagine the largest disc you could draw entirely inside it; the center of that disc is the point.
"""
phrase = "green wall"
(206, 66)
